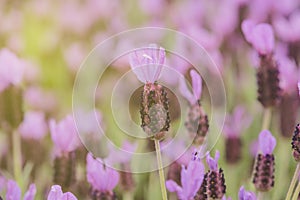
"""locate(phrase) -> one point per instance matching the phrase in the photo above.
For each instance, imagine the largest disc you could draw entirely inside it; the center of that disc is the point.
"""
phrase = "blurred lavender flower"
(191, 180)
(14, 192)
(245, 195)
(11, 69)
(261, 36)
(33, 126)
(147, 63)
(64, 134)
(103, 179)
(263, 176)
(57, 194)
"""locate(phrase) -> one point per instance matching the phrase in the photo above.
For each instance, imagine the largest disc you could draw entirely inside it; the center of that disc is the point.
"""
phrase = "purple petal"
(184, 90)
(245, 195)
(30, 194)
(267, 142)
(197, 84)
(247, 27)
(68, 196)
(263, 38)
(113, 179)
(13, 191)
(55, 193)
(172, 186)
(213, 162)
(299, 87)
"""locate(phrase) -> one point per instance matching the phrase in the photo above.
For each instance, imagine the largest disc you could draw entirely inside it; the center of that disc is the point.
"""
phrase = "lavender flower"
(64, 134)
(57, 194)
(33, 126)
(245, 195)
(263, 176)
(147, 64)
(214, 178)
(14, 192)
(11, 69)
(296, 143)
(261, 36)
(102, 178)
(197, 120)
(191, 180)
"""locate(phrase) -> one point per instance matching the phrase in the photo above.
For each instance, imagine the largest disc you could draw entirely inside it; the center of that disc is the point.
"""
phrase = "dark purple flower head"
(245, 195)
(147, 63)
(57, 194)
(195, 95)
(261, 36)
(267, 142)
(213, 162)
(191, 180)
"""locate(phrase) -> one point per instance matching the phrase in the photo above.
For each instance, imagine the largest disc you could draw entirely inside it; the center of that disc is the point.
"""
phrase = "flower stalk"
(160, 171)
(293, 183)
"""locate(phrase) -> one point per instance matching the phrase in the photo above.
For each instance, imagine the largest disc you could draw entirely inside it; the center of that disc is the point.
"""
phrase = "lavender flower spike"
(14, 192)
(196, 88)
(57, 194)
(267, 142)
(191, 180)
(245, 195)
(147, 63)
(213, 162)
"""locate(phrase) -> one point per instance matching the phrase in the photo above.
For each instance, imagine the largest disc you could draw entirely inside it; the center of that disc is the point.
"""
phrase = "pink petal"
(172, 186)
(184, 90)
(267, 142)
(247, 28)
(30, 194)
(13, 191)
(55, 193)
(68, 196)
(263, 38)
(197, 84)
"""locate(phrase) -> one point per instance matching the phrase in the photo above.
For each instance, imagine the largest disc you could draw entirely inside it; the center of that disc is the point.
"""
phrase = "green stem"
(160, 170)
(128, 196)
(296, 193)
(293, 183)
(261, 196)
(17, 158)
(267, 118)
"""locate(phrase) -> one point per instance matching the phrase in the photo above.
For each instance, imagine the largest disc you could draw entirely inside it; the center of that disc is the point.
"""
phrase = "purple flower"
(122, 155)
(237, 122)
(245, 195)
(64, 134)
(288, 29)
(34, 126)
(11, 69)
(191, 180)
(288, 73)
(267, 142)
(194, 96)
(57, 194)
(213, 162)
(261, 36)
(14, 192)
(102, 178)
(147, 63)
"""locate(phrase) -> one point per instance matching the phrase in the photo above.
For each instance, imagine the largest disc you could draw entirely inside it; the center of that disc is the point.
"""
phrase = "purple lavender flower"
(147, 63)
(245, 195)
(195, 95)
(11, 69)
(57, 194)
(103, 179)
(14, 192)
(64, 134)
(33, 126)
(261, 36)
(263, 176)
(191, 180)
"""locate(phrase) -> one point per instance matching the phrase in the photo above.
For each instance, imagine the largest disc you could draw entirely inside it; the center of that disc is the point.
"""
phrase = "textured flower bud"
(296, 143)
(155, 110)
(197, 123)
(201, 194)
(97, 195)
(64, 169)
(215, 188)
(263, 177)
(269, 92)
(233, 149)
